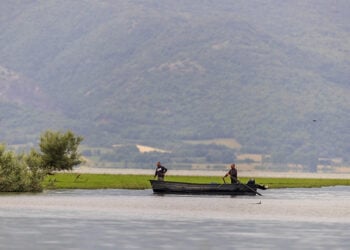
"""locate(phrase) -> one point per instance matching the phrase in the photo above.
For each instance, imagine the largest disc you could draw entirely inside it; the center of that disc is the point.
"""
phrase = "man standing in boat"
(160, 171)
(233, 174)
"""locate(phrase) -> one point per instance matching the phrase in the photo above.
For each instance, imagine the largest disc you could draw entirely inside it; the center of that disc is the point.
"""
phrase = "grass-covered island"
(124, 181)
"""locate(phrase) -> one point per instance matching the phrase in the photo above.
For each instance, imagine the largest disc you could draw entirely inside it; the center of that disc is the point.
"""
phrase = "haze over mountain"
(272, 74)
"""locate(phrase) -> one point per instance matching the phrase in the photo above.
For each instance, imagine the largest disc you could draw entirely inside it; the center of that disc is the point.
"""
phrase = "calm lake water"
(124, 219)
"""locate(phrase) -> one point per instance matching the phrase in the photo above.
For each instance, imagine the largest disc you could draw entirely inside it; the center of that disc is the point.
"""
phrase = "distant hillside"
(274, 75)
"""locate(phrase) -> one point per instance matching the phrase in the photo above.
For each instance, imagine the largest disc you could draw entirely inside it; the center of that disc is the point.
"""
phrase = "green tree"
(59, 151)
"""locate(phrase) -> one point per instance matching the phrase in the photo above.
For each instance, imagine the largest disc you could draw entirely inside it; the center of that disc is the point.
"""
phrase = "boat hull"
(170, 187)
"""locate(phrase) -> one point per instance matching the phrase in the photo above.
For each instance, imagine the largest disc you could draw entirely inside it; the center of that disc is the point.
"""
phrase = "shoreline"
(249, 174)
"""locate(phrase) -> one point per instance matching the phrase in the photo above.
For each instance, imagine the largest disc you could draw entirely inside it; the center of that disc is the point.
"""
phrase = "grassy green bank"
(119, 181)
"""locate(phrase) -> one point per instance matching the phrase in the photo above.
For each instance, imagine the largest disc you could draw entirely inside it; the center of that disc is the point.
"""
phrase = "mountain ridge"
(162, 71)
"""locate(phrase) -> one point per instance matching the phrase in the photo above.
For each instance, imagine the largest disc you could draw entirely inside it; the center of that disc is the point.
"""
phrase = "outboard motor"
(251, 182)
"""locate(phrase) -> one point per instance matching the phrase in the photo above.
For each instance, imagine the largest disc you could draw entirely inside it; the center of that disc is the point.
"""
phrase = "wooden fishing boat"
(171, 187)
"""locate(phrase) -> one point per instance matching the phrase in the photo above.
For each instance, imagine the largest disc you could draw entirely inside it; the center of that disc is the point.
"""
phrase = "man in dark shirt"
(233, 174)
(160, 172)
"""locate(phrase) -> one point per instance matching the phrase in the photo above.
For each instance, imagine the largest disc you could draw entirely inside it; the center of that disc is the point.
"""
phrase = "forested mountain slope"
(273, 74)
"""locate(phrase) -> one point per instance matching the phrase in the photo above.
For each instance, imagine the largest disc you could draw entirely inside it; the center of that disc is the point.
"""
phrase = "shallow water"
(316, 218)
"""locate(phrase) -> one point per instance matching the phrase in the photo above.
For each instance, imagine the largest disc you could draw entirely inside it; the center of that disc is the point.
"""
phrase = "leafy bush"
(20, 173)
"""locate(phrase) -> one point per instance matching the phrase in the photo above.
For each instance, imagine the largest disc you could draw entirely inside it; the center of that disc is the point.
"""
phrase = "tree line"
(24, 172)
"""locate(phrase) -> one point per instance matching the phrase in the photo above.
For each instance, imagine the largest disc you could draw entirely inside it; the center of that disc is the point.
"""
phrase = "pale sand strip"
(254, 174)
